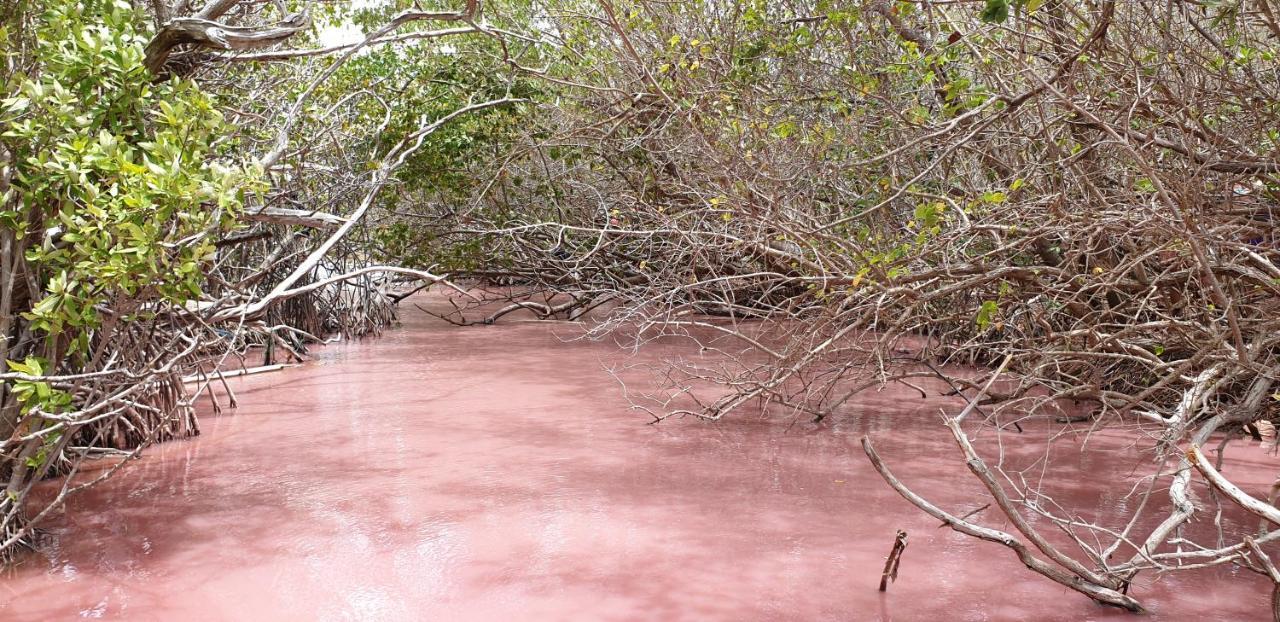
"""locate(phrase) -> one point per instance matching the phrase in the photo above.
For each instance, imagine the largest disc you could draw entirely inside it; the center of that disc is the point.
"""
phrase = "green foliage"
(117, 179)
(35, 393)
(427, 80)
(996, 11)
(986, 314)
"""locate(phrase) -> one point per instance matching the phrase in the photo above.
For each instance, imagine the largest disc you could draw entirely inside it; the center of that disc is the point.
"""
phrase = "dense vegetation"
(1077, 195)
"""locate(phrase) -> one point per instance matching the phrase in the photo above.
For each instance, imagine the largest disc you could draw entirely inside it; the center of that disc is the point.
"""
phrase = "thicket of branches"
(1082, 194)
(1078, 196)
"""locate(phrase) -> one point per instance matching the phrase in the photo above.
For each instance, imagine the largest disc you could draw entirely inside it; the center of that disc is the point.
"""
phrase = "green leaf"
(927, 214)
(20, 368)
(996, 11)
(986, 313)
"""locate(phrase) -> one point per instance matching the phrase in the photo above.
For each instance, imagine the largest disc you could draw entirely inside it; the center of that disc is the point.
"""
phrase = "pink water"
(495, 473)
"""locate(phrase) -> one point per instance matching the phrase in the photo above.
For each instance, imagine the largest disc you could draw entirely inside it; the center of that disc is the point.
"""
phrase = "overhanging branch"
(211, 34)
(300, 217)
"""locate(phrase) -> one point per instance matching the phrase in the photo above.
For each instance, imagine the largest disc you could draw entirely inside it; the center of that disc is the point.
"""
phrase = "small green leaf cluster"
(32, 393)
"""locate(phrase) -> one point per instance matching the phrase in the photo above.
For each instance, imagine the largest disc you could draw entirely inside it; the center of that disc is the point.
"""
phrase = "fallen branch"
(1243, 499)
(1097, 592)
(232, 374)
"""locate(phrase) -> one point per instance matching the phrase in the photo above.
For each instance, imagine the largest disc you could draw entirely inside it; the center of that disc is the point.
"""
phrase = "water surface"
(496, 473)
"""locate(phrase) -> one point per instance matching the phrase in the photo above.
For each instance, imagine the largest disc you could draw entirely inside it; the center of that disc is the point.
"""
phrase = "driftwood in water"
(890, 573)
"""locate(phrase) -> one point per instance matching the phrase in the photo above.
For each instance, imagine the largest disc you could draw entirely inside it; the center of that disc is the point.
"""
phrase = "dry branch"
(1097, 592)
